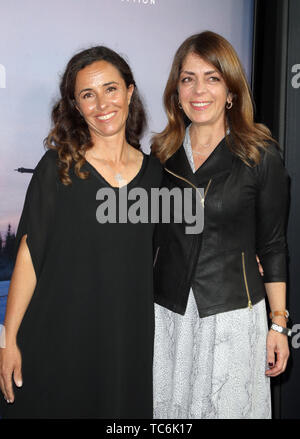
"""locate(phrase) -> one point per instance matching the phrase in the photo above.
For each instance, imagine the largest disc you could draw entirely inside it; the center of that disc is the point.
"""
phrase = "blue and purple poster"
(37, 38)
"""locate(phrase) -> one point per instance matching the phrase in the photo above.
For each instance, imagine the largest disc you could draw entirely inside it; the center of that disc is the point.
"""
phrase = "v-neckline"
(97, 174)
(207, 158)
(187, 146)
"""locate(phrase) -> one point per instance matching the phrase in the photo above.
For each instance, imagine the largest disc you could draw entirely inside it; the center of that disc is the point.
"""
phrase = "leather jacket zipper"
(191, 184)
(245, 279)
(202, 199)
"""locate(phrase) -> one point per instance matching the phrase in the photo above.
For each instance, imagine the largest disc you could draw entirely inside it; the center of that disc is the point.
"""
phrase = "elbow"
(274, 264)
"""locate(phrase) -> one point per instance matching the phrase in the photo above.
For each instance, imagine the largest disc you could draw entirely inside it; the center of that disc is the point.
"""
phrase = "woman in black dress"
(79, 318)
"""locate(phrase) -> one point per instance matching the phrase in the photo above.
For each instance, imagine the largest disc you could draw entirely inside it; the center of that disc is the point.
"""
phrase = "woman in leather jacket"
(214, 354)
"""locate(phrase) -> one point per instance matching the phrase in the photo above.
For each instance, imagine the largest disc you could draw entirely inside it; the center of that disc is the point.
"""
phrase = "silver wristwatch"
(281, 329)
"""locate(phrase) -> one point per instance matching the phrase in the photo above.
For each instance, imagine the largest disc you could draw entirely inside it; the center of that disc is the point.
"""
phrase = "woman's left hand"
(277, 343)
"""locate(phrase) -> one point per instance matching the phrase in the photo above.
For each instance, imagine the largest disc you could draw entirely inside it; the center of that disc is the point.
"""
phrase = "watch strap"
(281, 329)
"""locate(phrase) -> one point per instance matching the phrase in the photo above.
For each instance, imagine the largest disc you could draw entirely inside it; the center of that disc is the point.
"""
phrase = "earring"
(179, 105)
(229, 105)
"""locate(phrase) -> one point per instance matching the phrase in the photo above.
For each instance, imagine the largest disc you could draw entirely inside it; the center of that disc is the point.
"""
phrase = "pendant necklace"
(118, 176)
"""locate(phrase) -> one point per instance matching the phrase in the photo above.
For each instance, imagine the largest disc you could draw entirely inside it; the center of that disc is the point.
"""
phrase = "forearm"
(21, 289)
(276, 292)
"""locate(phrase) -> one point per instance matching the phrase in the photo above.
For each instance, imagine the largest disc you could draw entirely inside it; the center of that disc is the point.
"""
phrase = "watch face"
(277, 328)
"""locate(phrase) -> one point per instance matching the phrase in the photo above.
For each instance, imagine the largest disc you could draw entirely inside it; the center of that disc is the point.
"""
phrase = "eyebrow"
(209, 72)
(111, 82)
(104, 85)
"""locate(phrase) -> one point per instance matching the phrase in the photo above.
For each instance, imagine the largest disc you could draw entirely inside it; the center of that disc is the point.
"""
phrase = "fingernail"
(270, 364)
(19, 383)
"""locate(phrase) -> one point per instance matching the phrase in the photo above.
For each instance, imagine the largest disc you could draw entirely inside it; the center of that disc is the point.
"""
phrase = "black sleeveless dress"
(87, 336)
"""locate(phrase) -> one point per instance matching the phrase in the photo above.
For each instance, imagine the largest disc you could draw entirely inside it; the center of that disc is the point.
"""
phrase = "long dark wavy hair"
(249, 138)
(70, 135)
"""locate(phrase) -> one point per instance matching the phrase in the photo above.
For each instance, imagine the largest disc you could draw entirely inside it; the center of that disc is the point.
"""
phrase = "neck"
(112, 148)
(208, 136)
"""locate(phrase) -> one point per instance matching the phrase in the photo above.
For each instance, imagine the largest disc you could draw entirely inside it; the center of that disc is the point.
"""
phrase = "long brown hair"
(246, 137)
(70, 135)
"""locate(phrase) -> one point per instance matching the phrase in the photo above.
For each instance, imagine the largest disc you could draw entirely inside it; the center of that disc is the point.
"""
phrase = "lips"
(105, 117)
(200, 106)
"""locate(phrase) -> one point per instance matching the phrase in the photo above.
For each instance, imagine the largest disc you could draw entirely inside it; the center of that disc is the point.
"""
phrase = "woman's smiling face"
(103, 98)
(202, 91)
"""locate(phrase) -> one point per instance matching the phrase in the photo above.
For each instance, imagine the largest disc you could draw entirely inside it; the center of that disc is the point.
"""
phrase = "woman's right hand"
(21, 288)
(10, 368)
(261, 270)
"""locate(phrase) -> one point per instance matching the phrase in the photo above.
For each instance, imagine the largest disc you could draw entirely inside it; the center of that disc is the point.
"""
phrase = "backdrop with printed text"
(37, 38)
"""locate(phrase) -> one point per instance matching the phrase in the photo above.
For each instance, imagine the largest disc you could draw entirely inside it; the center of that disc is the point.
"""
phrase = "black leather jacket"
(244, 215)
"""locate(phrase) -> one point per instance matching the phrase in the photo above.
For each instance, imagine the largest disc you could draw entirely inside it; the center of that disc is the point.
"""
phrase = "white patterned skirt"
(212, 367)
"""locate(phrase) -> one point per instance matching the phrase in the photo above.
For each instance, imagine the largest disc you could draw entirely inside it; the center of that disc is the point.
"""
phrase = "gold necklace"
(205, 146)
(201, 153)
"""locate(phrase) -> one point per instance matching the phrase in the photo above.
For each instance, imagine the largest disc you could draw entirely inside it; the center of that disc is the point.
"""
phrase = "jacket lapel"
(220, 161)
(179, 164)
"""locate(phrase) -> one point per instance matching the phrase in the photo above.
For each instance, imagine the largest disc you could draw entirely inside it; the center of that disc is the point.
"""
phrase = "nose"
(101, 102)
(200, 86)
